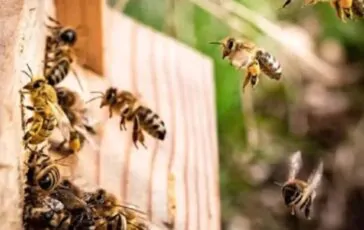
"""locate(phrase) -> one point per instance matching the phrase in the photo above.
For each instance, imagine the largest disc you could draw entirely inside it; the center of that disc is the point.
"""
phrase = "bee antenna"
(92, 99)
(277, 183)
(99, 92)
(30, 73)
(53, 20)
(216, 43)
(30, 70)
(131, 208)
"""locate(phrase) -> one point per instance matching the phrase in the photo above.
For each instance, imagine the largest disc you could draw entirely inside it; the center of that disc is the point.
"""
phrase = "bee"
(343, 8)
(59, 53)
(245, 54)
(358, 8)
(117, 216)
(82, 214)
(131, 110)
(106, 207)
(74, 108)
(47, 114)
(47, 213)
(42, 172)
(299, 193)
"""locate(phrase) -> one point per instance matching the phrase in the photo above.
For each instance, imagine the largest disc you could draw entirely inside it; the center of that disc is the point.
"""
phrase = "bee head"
(290, 192)
(228, 46)
(68, 36)
(109, 98)
(99, 197)
(35, 84)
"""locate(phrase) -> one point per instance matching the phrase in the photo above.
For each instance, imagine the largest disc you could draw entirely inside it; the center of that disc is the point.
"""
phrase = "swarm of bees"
(298, 193)
(345, 9)
(51, 201)
(243, 54)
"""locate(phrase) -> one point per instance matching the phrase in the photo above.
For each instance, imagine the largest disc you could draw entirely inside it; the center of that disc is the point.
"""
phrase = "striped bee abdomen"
(59, 71)
(291, 194)
(49, 178)
(358, 8)
(269, 64)
(151, 122)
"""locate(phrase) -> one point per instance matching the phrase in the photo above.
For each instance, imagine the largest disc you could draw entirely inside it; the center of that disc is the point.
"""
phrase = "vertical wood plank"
(144, 86)
(86, 15)
(21, 43)
(200, 118)
(212, 129)
(180, 147)
(160, 175)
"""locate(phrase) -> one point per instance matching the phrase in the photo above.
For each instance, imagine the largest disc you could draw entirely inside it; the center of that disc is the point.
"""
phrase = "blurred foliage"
(195, 27)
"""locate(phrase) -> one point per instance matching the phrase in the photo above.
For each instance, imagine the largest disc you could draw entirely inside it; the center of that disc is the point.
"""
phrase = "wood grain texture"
(85, 15)
(21, 41)
(177, 83)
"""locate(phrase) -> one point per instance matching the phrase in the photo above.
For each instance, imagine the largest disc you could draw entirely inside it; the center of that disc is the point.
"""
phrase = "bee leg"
(77, 78)
(254, 81)
(122, 123)
(338, 9)
(286, 3)
(293, 212)
(137, 133)
(74, 143)
(253, 72)
(29, 120)
(29, 107)
(110, 112)
(246, 81)
(90, 129)
(346, 5)
(308, 209)
(60, 146)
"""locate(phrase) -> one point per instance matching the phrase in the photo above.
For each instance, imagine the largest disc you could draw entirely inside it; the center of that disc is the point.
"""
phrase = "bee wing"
(295, 164)
(63, 123)
(314, 181)
(88, 137)
(315, 177)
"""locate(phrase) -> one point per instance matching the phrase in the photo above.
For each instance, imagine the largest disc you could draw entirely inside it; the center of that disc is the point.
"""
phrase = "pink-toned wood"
(171, 79)
(88, 15)
(21, 40)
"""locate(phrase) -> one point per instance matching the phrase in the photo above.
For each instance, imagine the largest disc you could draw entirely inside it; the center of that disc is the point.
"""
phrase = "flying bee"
(358, 8)
(59, 53)
(47, 114)
(117, 216)
(75, 110)
(299, 193)
(343, 8)
(43, 172)
(245, 54)
(131, 110)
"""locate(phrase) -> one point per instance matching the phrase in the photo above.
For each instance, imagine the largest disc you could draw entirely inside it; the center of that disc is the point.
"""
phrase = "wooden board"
(85, 15)
(21, 40)
(177, 83)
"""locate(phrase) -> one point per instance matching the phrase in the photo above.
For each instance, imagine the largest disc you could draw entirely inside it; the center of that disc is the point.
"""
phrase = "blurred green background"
(258, 131)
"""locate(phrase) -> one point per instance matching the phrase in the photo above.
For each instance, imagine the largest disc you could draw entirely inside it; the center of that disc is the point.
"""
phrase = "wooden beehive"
(172, 79)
